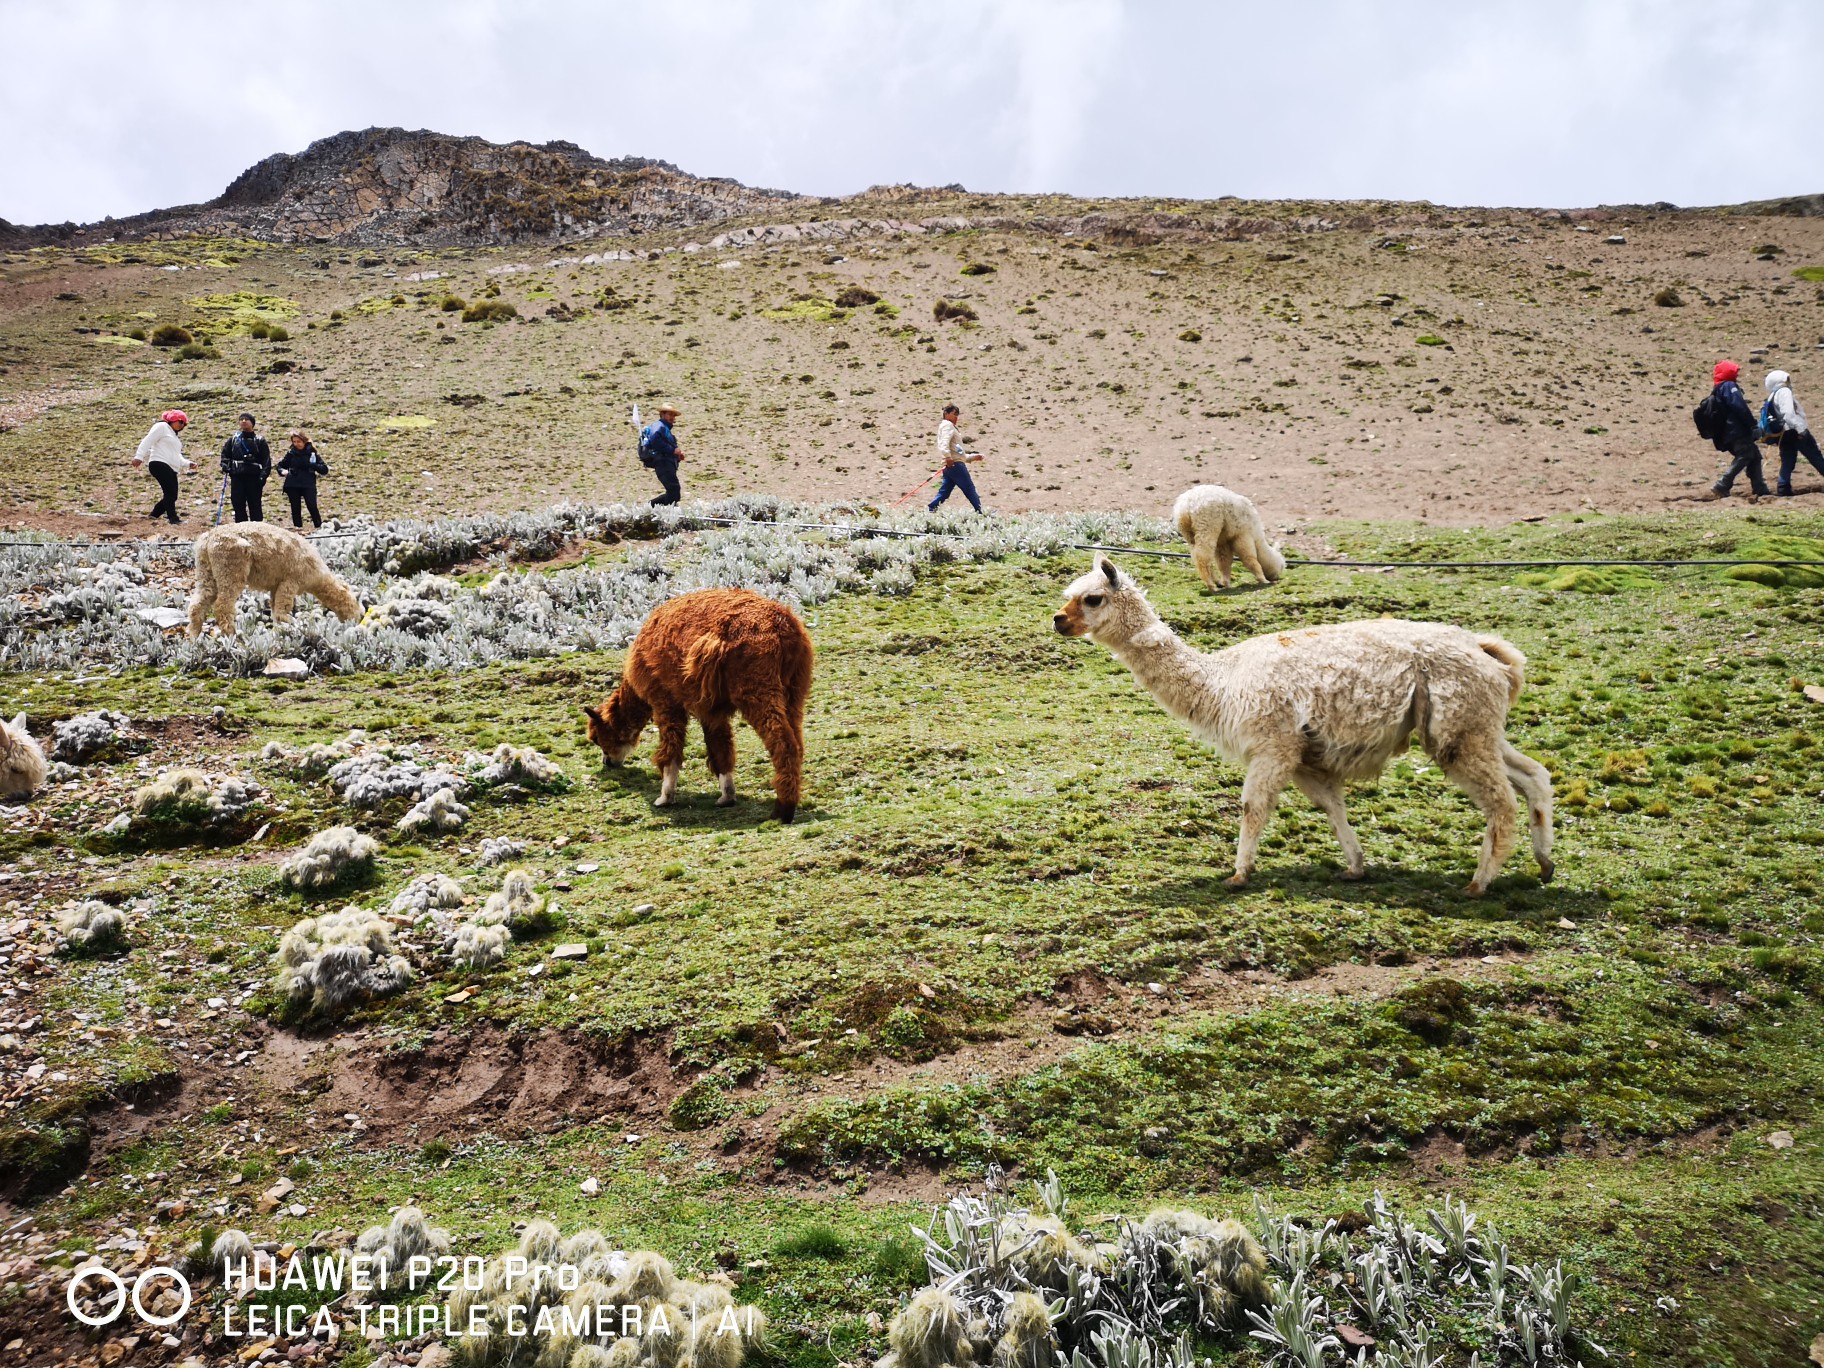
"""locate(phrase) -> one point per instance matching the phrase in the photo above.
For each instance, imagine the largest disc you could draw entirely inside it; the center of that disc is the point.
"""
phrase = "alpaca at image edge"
(1319, 706)
(1223, 526)
(266, 559)
(710, 655)
(22, 766)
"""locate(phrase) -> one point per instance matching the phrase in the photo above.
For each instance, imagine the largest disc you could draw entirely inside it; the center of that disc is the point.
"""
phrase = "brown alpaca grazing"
(710, 655)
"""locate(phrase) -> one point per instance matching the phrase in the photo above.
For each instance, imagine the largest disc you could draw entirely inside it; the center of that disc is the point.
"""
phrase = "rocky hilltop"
(387, 186)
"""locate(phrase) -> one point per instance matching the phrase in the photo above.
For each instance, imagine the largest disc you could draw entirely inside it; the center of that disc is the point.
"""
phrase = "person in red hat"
(161, 452)
(1732, 430)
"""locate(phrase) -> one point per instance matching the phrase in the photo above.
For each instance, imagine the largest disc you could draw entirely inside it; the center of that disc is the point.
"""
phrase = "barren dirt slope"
(1463, 367)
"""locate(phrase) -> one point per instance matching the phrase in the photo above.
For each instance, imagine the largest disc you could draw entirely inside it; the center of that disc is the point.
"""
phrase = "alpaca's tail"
(1512, 659)
(703, 666)
(1187, 523)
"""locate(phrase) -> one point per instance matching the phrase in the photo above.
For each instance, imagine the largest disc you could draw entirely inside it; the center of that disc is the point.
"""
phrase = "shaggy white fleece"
(267, 559)
(22, 763)
(1318, 706)
(1223, 526)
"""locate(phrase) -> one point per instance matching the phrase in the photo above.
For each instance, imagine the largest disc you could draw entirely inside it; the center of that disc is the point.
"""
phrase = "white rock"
(286, 667)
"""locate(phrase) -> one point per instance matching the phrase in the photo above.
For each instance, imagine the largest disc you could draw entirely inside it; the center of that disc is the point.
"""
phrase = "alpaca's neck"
(1163, 664)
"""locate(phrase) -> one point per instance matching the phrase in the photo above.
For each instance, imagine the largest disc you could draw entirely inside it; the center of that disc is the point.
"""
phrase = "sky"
(129, 105)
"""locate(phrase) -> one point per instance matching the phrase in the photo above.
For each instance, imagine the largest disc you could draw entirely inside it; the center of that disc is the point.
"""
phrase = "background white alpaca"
(259, 556)
(1222, 527)
(22, 766)
(1319, 706)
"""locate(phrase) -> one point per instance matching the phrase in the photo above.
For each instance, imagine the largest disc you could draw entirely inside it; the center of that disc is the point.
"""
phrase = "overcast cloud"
(117, 106)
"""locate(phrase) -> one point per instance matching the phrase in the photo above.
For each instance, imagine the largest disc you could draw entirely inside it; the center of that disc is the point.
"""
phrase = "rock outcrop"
(390, 187)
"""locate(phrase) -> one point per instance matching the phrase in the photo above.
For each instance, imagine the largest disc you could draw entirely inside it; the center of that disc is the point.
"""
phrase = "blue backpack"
(1770, 425)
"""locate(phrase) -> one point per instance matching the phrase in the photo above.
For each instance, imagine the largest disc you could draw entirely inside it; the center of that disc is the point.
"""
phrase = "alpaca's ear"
(17, 724)
(591, 713)
(1108, 569)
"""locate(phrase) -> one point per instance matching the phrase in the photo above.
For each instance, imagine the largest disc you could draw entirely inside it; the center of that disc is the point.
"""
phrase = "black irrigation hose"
(852, 530)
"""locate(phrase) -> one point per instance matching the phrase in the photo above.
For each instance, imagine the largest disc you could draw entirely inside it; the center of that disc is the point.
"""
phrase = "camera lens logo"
(122, 1297)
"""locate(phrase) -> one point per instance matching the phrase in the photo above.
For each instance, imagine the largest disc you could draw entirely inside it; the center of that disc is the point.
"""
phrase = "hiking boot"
(1783, 492)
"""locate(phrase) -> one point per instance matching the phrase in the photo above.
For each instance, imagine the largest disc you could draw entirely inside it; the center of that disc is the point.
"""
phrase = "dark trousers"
(1792, 446)
(956, 476)
(244, 491)
(1745, 455)
(307, 497)
(166, 507)
(667, 471)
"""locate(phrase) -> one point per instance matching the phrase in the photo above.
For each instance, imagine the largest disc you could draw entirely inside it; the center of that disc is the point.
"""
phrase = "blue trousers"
(667, 471)
(1792, 446)
(956, 476)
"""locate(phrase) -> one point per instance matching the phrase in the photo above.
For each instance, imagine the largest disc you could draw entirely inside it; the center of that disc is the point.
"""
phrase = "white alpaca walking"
(1319, 706)
(259, 556)
(1223, 526)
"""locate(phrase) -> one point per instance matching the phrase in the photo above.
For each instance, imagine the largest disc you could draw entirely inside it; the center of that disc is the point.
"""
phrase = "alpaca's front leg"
(1225, 565)
(670, 755)
(283, 598)
(719, 739)
(1267, 775)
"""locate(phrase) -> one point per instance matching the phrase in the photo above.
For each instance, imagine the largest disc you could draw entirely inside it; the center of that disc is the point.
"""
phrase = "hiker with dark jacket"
(300, 465)
(247, 463)
(660, 453)
(1732, 430)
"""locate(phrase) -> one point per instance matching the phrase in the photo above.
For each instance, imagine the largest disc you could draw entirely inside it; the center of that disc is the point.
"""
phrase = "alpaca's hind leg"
(781, 730)
(1481, 774)
(1535, 785)
(672, 721)
(1326, 790)
(719, 737)
(1267, 775)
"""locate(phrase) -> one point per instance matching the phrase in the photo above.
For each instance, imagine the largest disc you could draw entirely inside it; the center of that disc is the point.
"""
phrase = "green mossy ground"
(998, 814)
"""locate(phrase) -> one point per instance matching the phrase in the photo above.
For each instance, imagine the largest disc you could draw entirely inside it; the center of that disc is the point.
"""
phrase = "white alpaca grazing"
(1319, 706)
(259, 556)
(22, 767)
(1223, 526)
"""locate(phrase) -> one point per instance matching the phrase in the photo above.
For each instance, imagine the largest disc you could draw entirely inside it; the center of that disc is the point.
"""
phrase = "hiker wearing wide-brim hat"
(660, 453)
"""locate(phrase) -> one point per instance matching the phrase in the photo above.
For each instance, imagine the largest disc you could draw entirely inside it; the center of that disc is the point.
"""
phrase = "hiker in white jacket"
(1796, 438)
(161, 452)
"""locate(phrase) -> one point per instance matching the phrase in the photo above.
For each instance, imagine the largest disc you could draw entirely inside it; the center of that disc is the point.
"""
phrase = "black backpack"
(1706, 418)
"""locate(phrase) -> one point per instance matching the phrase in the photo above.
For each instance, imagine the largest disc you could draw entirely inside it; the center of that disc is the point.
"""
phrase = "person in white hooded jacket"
(1796, 438)
(161, 452)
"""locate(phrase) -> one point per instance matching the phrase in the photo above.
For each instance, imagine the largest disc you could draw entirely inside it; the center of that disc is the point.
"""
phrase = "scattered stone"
(286, 667)
(1780, 1139)
(590, 1187)
(1815, 692)
(573, 950)
(1566, 924)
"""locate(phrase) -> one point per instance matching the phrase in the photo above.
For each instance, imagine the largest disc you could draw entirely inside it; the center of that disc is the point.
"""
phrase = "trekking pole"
(219, 498)
(910, 492)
